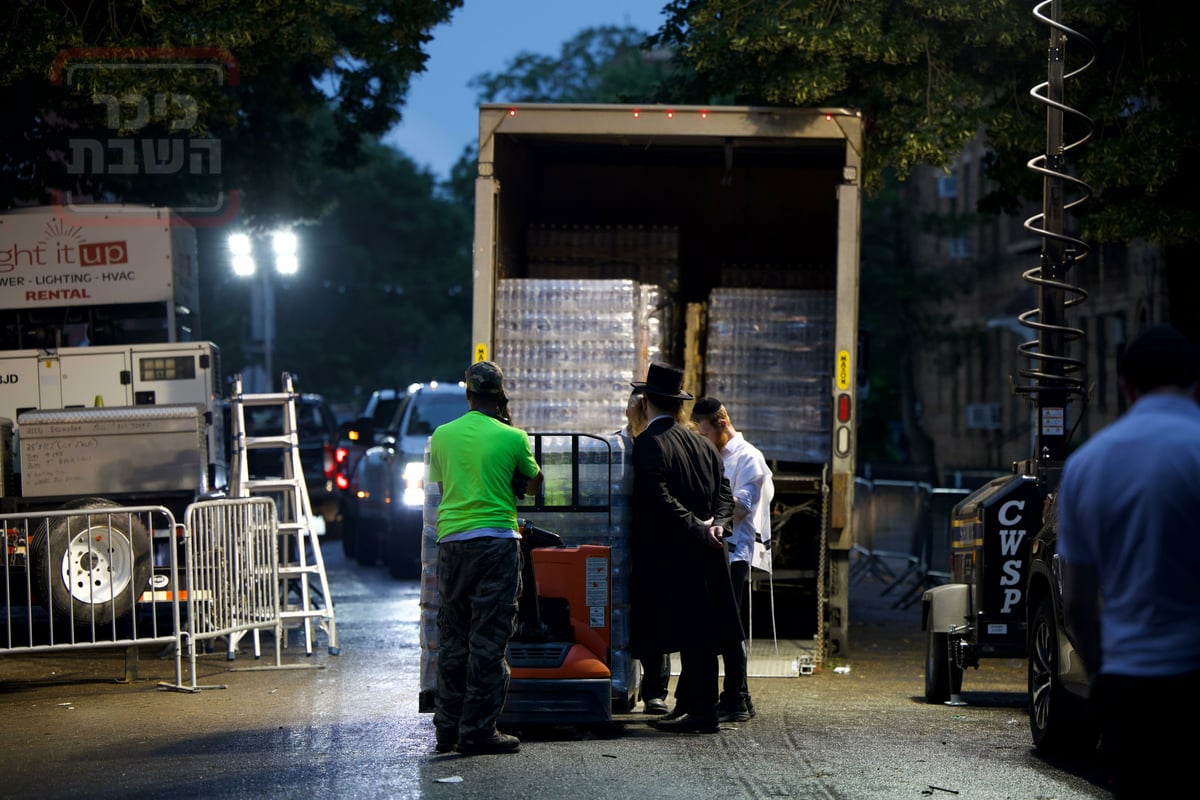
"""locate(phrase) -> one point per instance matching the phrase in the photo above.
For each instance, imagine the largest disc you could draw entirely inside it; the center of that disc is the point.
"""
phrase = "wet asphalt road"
(347, 726)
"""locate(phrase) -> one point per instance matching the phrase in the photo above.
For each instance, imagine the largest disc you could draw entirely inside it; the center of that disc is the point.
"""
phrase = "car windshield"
(385, 410)
(268, 420)
(310, 421)
(435, 410)
(265, 421)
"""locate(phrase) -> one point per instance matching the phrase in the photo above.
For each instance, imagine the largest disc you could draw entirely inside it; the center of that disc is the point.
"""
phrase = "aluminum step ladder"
(304, 586)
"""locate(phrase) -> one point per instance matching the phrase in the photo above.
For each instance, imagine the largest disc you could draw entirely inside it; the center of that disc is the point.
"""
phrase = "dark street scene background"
(1000, 200)
(348, 725)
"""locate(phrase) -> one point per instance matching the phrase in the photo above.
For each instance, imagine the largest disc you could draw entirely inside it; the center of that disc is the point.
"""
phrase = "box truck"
(106, 402)
(722, 239)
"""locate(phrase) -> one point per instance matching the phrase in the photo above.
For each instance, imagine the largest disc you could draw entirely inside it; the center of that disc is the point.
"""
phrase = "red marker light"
(829, 117)
(704, 113)
(512, 112)
(637, 113)
(843, 408)
(670, 113)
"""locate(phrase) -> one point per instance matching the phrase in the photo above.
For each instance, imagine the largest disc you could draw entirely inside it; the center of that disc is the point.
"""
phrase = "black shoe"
(655, 706)
(674, 713)
(447, 739)
(496, 743)
(738, 713)
(687, 724)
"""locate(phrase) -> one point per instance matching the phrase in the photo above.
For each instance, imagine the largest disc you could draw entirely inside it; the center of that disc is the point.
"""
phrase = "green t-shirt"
(473, 458)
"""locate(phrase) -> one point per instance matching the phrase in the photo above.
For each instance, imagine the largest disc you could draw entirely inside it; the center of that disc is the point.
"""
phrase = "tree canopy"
(230, 88)
(383, 294)
(929, 76)
(608, 64)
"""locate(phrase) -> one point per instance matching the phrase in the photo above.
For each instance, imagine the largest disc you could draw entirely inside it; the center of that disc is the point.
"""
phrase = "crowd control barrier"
(89, 577)
(232, 575)
(902, 536)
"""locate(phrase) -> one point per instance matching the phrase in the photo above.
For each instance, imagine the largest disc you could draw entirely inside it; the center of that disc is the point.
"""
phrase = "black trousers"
(735, 688)
(656, 676)
(699, 680)
(1145, 755)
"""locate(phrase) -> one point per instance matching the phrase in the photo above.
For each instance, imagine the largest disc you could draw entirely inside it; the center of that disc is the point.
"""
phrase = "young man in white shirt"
(753, 491)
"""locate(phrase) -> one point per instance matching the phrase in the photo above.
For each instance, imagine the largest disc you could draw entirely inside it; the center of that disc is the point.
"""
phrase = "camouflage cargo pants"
(479, 581)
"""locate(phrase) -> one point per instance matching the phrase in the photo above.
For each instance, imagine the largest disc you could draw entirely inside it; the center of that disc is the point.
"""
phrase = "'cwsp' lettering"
(1010, 513)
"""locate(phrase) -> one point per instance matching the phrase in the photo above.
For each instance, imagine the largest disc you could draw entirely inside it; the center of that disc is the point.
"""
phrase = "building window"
(958, 247)
(984, 417)
(947, 186)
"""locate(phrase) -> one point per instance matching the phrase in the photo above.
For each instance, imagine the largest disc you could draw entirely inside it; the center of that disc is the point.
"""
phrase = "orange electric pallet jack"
(560, 653)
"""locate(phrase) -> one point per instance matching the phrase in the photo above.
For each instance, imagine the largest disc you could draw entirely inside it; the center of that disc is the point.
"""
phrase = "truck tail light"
(330, 461)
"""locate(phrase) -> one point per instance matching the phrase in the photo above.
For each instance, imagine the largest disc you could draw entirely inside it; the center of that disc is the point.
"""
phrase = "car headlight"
(414, 484)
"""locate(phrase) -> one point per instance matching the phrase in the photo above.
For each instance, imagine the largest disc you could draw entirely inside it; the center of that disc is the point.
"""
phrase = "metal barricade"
(888, 544)
(232, 574)
(85, 577)
(889, 513)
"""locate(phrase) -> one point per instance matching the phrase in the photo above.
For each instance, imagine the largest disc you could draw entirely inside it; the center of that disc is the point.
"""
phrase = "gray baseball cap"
(485, 377)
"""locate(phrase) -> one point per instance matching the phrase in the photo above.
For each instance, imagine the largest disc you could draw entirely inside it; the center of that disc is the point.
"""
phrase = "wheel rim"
(1041, 672)
(98, 564)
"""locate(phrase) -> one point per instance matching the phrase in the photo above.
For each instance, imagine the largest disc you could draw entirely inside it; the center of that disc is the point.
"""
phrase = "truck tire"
(1059, 721)
(942, 677)
(90, 570)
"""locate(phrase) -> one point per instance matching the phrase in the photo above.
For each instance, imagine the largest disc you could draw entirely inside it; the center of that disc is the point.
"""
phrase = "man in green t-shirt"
(477, 460)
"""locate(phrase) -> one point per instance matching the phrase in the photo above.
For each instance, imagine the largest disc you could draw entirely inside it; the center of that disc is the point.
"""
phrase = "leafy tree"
(931, 76)
(383, 294)
(251, 76)
(925, 74)
(608, 64)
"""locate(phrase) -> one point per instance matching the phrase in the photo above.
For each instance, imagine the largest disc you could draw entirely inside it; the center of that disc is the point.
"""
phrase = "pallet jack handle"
(530, 627)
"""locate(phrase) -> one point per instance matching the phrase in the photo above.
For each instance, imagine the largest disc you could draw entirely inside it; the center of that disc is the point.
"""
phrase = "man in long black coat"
(682, 598)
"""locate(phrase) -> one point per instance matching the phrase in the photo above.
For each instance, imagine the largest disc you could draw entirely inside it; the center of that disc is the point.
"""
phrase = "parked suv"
(387, 490)
(368, 429)
(1060, 718)
(317, 435)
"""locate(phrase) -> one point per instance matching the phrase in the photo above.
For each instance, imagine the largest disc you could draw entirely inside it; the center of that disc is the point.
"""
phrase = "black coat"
(682, 598)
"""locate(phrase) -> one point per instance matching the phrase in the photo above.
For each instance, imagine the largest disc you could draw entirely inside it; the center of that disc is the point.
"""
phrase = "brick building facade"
(964, 380)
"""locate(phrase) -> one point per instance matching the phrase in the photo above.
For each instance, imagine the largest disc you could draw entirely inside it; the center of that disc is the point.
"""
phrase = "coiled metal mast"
(1052, 378)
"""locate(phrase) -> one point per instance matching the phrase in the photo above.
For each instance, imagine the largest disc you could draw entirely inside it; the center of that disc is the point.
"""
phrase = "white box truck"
(104, 400)
(98, 274)
(722, 239)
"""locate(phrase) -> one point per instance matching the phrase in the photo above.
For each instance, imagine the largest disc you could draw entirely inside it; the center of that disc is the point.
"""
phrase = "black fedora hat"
(663, 380)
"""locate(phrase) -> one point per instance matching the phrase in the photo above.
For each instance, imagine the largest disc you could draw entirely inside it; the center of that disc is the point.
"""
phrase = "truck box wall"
(181, 373)
(101, 263)
(148, 374)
